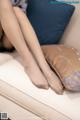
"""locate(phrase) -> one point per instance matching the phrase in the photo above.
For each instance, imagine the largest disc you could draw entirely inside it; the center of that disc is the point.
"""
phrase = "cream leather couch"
(23, 101)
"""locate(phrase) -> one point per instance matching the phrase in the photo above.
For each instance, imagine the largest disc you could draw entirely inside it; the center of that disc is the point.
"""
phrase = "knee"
(5, 5)
(18, 11)
(16, 8)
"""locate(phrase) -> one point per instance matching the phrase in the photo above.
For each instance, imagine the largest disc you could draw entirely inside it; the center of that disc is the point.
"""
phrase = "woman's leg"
(12, 30)
(5, 41)
(32, 41)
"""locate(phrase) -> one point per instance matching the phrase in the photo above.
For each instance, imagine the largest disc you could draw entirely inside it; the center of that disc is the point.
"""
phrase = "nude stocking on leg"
(32, 41)
(13, 32)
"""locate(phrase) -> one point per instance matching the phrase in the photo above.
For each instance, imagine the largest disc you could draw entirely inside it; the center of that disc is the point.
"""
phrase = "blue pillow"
(49, 19)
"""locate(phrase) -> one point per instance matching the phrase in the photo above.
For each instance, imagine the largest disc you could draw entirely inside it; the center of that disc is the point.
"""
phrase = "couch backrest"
(72, 33)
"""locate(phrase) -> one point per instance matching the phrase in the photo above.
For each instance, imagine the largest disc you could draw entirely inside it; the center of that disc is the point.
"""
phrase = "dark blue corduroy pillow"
(49, 19)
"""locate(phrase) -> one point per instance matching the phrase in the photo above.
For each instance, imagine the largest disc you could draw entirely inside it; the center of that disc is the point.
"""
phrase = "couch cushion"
(49, 19)
(5, 57)
(72, 33)
(12, 72)
(65, 62)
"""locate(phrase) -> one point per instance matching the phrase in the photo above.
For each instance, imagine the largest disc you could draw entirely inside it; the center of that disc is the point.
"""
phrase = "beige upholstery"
(28, 102)
(72, 33)
(65, 107)
(44, 103)
(16, 112)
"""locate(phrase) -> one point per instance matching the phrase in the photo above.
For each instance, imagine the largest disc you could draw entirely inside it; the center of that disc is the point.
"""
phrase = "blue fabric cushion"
(49, 19)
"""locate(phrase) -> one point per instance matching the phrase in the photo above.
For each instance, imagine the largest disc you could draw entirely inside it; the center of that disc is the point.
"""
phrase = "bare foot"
(36, 76)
